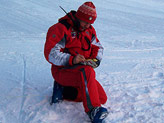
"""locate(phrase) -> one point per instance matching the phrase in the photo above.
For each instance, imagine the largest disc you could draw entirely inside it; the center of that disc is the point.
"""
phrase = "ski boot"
(98, 114)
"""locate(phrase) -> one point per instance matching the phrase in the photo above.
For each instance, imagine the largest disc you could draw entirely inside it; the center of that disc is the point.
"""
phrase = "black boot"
(57, 94)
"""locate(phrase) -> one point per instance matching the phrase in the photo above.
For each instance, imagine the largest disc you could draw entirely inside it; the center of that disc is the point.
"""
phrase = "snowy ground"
(132, 70)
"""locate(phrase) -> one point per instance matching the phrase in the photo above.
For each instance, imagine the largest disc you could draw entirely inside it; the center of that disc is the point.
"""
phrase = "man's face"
(84, 25)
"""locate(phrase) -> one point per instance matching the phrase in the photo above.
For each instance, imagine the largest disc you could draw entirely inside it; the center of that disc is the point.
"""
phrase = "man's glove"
(91, 62)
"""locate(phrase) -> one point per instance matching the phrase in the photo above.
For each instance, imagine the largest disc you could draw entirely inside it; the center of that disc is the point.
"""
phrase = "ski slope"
(131, 72)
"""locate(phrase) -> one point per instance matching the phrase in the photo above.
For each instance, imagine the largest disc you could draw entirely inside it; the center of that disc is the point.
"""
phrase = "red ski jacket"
(63, 43)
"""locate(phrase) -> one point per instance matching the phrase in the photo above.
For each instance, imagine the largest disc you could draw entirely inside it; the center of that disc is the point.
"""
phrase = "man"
(73, 49)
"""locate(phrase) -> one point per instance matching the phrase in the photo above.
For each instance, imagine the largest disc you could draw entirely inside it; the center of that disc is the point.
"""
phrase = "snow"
(131, 72)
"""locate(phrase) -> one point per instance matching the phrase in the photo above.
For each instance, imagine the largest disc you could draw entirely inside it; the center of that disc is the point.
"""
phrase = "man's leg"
(102, 94)
(90, 89)
(83, 78)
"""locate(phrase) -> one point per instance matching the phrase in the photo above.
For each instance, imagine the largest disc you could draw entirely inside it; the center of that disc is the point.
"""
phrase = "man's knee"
(88, 70)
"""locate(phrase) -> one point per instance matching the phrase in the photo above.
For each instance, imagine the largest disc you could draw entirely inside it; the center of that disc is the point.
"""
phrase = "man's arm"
(55, 42)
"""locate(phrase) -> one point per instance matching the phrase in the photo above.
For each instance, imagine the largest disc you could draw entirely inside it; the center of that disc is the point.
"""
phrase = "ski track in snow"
(23, 90)
(131, 72)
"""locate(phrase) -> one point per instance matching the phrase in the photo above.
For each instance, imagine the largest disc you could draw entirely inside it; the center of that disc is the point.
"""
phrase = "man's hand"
(78, 59)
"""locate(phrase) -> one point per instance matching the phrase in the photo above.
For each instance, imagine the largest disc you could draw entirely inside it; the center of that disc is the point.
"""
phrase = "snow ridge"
(21, 112)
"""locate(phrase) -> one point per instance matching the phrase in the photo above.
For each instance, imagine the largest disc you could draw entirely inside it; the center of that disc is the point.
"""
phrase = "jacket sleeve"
(96, 47)
(55, 42)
